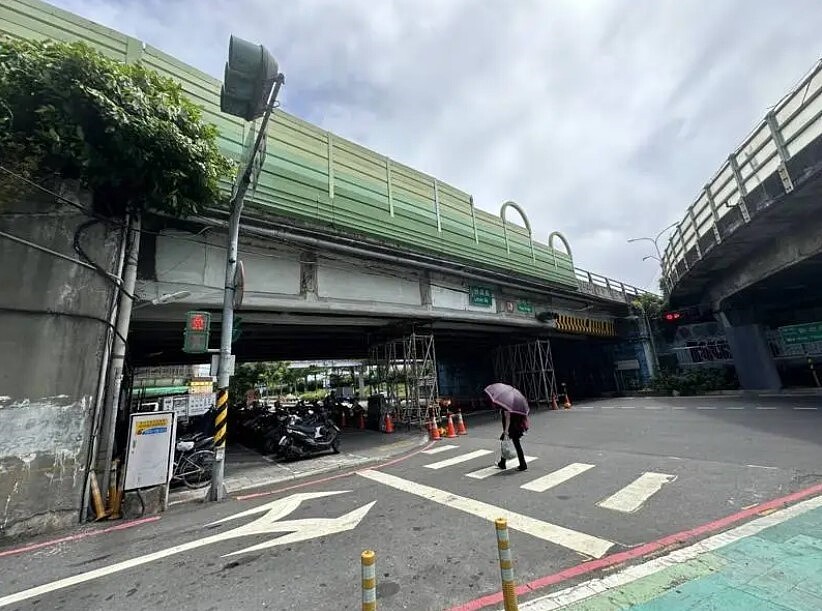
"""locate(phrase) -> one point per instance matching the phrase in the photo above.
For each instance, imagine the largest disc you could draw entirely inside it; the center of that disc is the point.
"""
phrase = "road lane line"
(763, 467)
(442, 448)
(571, 539)
(541, 484)
(493, 470)
(653, 407)
(735, 407)
(762, 407)
(706, 407)
(633, 496)
(458, 459)
(806, 408)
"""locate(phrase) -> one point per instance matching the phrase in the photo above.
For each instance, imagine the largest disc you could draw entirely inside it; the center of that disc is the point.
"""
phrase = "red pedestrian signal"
(197, 331)
(672, 316)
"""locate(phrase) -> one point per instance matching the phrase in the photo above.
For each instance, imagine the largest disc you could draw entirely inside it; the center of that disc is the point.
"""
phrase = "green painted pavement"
(779, 568)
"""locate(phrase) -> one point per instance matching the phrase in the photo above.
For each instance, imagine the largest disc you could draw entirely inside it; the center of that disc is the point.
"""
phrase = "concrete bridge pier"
(754, 363)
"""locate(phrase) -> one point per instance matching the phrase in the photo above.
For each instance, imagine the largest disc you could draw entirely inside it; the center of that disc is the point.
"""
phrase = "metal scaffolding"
(406, 371)
(530, 368)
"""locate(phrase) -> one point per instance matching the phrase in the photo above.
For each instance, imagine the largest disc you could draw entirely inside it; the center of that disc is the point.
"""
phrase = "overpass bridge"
(340, 243)
(749, 249)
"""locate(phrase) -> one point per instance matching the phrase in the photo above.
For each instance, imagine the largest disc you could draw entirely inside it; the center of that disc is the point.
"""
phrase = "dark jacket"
(518, 425)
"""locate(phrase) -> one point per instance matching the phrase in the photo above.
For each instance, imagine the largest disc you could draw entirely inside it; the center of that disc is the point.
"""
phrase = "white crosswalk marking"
(489, 471)
(634, 495)
(541, 484)
(458, 459)
(438, 449)
(571, 539)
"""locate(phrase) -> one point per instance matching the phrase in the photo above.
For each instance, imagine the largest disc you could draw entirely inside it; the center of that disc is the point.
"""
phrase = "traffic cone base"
(461, 430)
(450, 432)
(554, 402)
(567, 404)
(389, 425)
(434, 431)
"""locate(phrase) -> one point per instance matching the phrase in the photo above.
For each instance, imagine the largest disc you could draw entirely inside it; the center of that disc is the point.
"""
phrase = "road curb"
(197, 496)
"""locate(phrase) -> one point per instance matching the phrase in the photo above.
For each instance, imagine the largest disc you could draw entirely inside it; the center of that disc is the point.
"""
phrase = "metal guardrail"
(601, 286)
(721, 207)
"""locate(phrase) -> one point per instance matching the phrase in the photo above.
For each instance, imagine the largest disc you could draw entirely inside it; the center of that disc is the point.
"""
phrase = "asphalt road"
(606, 477)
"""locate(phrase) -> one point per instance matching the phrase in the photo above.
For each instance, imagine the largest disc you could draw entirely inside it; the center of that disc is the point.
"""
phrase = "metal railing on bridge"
(724, 204)
(601, 286)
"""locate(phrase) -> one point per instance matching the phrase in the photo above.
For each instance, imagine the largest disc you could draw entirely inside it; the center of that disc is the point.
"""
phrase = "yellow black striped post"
(369, 580)
(221, 420)
(506, 566)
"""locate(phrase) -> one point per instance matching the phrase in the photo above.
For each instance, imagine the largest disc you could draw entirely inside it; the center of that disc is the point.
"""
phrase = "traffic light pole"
(217, 490)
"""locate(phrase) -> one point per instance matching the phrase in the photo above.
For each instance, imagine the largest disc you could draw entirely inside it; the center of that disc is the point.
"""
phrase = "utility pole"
(250, 88)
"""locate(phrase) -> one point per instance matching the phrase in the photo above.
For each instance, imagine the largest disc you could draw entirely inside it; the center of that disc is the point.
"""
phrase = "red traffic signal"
(671, 316)
(197, 322)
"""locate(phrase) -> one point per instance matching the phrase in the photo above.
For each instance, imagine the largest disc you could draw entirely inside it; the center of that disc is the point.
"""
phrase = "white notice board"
(150, 447)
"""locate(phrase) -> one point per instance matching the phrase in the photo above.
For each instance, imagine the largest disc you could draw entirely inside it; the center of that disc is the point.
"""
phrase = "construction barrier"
(506, 566)
(368, 560)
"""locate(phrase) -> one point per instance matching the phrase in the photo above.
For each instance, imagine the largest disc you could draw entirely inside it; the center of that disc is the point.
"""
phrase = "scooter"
(308, 437)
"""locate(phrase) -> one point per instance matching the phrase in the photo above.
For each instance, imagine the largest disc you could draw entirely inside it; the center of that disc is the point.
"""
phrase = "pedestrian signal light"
(672, 316)
(197, 331)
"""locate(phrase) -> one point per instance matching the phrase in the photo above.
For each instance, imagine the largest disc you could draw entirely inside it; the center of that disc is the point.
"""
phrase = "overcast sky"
(602, 118)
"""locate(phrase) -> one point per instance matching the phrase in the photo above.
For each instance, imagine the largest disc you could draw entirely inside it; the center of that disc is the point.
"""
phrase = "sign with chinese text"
(801, 334)
(480, 296)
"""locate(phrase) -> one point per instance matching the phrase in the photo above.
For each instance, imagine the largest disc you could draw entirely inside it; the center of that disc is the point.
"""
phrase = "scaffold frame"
(529, 367)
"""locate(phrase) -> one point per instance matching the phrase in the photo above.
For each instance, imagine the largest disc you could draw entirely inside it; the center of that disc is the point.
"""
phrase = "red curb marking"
(256, 495)
(77, 537)
(643, 550)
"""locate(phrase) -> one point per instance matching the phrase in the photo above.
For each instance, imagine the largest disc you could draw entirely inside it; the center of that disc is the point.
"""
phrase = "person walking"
(514, 426)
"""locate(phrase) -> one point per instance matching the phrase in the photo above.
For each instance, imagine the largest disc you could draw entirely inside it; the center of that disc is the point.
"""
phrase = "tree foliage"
(123, 131)
(651, 304)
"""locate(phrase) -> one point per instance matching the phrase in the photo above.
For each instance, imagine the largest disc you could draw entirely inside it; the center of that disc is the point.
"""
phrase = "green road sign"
(801, 334)
(525, 307)
(480, 296)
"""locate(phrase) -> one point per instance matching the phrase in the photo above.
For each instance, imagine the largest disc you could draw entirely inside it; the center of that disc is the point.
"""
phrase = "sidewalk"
(247, 469)
(771, 563)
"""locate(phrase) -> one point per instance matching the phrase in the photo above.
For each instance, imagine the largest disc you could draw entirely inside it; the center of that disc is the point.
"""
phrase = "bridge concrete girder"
(798, 242)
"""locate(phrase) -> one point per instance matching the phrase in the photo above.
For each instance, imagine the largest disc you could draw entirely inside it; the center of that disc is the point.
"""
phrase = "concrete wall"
(50, 359)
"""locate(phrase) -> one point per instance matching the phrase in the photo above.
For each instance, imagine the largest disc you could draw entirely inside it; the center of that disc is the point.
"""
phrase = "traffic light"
(249, 75)
(197, 332)
(672, 316)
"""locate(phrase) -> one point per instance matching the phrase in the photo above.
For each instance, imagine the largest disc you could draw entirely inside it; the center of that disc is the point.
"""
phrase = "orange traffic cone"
(389, 424)
(434, 431)
(554, 402)
(361, 422)
(461, 430)
(567, 404)
(450, 432)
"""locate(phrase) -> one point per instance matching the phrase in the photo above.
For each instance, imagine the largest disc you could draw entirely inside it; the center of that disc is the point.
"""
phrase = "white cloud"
(602, 118)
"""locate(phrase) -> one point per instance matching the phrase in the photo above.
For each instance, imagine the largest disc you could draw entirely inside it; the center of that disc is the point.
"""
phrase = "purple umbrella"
(508, 398)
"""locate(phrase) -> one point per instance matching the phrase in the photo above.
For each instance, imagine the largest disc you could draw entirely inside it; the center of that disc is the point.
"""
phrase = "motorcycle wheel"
(335, 446)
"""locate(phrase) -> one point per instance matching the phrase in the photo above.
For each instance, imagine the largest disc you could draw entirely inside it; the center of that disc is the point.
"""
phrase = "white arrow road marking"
(572, 539)
(494, 470)
(634, 495)
(541, 484)
(301, 530)
(458, 459)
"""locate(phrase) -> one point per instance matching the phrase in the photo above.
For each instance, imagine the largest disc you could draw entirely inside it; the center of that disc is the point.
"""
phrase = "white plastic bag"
(507, 449)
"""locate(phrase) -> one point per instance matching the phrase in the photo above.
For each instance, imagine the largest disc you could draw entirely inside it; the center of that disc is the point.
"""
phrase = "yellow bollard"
(369, 581)
(506, 566)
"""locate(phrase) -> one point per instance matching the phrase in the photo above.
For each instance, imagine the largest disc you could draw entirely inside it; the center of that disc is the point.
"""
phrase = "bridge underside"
(585, 363)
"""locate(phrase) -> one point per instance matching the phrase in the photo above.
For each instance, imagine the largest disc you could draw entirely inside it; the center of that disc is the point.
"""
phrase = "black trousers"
(516, 440)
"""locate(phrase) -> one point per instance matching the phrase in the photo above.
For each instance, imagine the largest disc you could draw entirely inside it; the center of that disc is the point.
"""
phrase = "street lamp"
(250, 88)
(166, 298)
(655, 242)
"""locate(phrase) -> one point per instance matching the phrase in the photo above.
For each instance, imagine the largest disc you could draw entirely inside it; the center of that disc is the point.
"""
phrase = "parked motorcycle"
(309, 434)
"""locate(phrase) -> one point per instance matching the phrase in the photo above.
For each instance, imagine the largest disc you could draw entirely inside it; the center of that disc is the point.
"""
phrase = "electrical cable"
(48, 312)
(78, 248)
